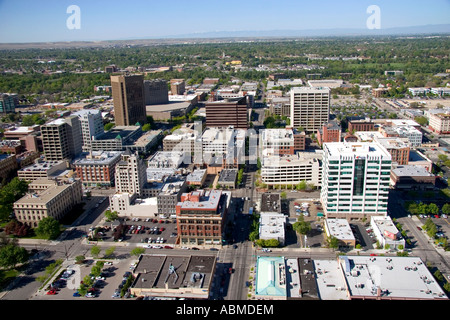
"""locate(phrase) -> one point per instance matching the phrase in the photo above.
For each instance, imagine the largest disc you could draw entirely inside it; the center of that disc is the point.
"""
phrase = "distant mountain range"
(413, 30)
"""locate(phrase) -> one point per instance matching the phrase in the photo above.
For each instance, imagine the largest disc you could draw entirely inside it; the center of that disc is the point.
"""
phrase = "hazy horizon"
(23, 21)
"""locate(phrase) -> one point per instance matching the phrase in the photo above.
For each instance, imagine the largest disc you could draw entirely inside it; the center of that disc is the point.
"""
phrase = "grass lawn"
(6, 276)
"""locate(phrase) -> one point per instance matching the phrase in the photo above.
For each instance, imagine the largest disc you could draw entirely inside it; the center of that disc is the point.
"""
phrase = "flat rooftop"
(43, 166)
(385, 224)
(389, 278)
(270, 202)
(118, 132)
(330, 283)
(196, 175)
(209, 200)
(411, 171)
(271, 225)
(174, 272)
(98, 158)
(228, 175)
(363, 149)
(307, 279)
(167, 107)
(339, 228)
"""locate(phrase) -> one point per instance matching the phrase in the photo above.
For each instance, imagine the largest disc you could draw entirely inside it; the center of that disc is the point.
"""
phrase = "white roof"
(339, 228)
(395, 277)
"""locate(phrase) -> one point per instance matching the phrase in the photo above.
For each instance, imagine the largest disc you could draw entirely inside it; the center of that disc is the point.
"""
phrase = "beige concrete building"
(310, 107)
(440, 123)
(48, 198)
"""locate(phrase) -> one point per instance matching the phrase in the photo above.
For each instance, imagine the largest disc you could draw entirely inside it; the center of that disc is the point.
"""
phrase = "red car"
(51, 292)
(162, 229)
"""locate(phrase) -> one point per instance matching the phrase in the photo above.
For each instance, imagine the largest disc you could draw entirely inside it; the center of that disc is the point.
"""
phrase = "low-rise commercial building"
(196, 177)
(228, 178)
(388, 278)
(410, 177)
(166, 276)
(42, 169)
(386, 232)
(97, 167)
(340, 229)
(272, 226)
(201, 217)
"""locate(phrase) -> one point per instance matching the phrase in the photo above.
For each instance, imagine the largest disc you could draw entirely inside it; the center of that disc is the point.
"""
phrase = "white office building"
(292, 169)
(310, 107)
(355, 179)
(91, 126)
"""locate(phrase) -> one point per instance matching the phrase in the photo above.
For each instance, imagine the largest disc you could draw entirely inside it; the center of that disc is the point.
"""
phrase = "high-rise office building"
(223, 114)
(355, 179)
(91, 126)
(310, 107)
(8, 103)
(61, 138)
(156, 92)
(130, 174)
(129, 100)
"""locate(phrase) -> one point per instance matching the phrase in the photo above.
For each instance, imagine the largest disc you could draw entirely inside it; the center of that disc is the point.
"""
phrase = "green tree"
(332, 242)
(283, 195)
(272, 243)
(301, 226)
(432, 209)
(446, 208)
(80, 259)
(48, 228)
(111, 216)
(146, 127)
(12, 254)
(95, 251)
(109, 252)
(301, 186)
(10, 193)
(137, 251)
(254, 235)
(108, 126)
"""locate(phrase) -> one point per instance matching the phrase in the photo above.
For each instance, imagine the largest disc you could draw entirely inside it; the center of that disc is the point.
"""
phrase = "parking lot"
(113, 274)
(153, 232)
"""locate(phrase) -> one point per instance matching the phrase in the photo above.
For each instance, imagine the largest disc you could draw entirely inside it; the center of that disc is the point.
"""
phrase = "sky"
(46, 20)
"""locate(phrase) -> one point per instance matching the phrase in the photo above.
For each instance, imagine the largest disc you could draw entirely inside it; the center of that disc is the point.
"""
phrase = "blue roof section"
(270, 277)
